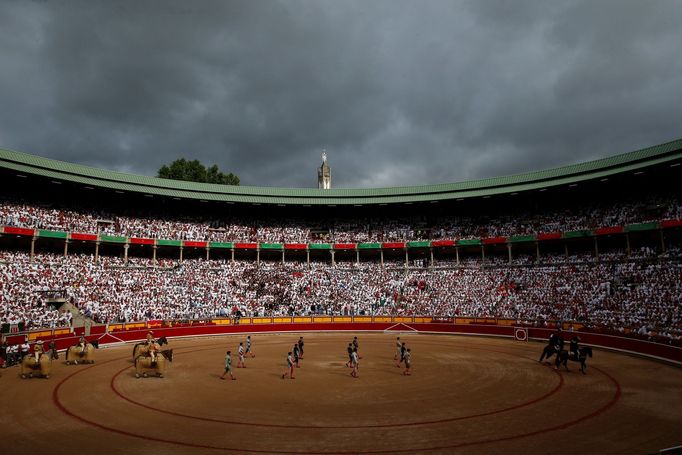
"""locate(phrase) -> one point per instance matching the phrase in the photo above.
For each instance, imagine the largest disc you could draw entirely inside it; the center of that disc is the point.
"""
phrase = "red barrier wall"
(630, 345)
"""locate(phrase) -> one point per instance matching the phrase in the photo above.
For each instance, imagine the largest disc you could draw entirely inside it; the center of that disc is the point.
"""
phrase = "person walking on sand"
(300, 347)
(349, 364)
(408, 363)
(240, 351)
(228, 366)
(297, 355)
(403, 350)
(248, 347)
(355, 363)
(290, 367)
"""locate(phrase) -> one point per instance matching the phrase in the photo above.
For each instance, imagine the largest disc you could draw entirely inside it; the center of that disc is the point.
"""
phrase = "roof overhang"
(638, 160)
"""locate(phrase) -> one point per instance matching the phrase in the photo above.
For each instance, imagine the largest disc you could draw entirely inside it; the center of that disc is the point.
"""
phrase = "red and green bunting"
(85, 237)
(19, 231)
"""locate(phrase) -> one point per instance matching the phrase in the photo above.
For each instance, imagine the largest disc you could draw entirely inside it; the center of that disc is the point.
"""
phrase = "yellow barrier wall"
(136, 325)
(221, 321)
(42, 333)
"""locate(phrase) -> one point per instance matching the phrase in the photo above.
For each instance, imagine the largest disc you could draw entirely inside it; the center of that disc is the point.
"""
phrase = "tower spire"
(324, 173)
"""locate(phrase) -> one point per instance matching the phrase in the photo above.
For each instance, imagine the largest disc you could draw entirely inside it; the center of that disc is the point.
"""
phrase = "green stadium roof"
(59, 170)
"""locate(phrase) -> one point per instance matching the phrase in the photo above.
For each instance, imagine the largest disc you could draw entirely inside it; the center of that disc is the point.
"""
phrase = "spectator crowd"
(300, 230)
(638, 294)
(640, 290)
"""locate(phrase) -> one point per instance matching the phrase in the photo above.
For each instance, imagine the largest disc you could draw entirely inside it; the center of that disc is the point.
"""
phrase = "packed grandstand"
(597, 244)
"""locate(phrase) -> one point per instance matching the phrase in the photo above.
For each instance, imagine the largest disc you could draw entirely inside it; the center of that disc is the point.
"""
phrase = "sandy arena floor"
(466, 395)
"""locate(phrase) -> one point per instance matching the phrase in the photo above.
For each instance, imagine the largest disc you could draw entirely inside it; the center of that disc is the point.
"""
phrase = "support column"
(66, 247)
(97, 251)
(662, 241)
(307, 256)
(357, 256)
(627, 244)
(154, 247)
(208, 253)
(566, 250)
(482, 255)
(125, 253)
(282, 255)
(509, 252)
(333, 260)
(457, 254)
(537, 251)
(407, 259)
(381, 251)
(232, 254)
(596, 248)
(258, 256)
(431, 253)
(33, 247)
(181, 250)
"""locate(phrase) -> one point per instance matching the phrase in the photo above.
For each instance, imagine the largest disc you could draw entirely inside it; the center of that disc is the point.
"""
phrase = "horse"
(143, 363)
(143, 348)
(547, 352)
(75, 355)
(43, 366)
(563, 357)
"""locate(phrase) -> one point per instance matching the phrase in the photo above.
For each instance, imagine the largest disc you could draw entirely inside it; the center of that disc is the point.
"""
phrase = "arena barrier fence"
(137, 331)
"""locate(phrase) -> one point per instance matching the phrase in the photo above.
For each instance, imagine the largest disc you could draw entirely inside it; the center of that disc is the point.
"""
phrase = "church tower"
(324, 174)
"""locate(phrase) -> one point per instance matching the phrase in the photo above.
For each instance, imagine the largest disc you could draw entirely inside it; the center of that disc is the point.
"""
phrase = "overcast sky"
(397, 92)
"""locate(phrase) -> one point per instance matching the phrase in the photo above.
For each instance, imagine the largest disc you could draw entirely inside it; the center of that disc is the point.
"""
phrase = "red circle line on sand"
(601, 410)
(556, 389)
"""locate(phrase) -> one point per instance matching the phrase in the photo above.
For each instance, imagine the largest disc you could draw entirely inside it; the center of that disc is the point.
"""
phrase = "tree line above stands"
(195, 171)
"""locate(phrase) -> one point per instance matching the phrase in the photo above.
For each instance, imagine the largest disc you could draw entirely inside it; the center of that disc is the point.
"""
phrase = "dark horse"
(548, 352)
(563, 357)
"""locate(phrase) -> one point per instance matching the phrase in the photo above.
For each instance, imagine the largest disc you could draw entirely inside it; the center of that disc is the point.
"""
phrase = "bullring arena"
(473, 277)
(467, 394)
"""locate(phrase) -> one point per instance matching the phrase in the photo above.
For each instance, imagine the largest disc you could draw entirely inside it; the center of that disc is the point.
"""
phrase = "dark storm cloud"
(398, 92)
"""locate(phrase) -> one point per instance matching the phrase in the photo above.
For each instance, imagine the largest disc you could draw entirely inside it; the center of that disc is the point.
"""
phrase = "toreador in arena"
(533, 314)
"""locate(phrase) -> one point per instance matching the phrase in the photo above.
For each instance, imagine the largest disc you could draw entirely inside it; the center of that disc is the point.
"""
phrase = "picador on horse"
(576, 353)
(38, 363)
(554, 346)
(148, 356)
(82, 352)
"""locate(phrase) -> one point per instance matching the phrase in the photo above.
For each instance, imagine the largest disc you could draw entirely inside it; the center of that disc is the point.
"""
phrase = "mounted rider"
(152, 346)
(38, 350)
(556, 341)
(82, 344)
(574, 347)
